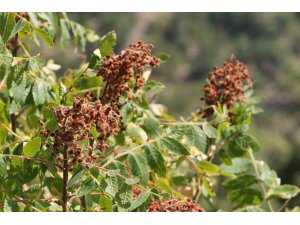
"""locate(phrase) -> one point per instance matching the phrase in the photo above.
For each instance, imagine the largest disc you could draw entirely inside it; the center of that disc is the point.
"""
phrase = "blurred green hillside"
(269, 43)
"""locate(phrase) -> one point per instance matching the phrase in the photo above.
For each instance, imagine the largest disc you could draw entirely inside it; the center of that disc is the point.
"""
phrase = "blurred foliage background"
(269, 43)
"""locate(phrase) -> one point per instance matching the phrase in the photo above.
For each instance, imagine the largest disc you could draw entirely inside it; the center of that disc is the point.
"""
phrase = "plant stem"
(30, 158)
(65, 181)
(284, 205)
(263, 188)
(63, 100)
(83, 203)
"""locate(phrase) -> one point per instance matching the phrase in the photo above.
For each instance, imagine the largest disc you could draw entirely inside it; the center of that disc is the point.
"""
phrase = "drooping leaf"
(65, 35)
(107, 43)
(138, 167)
(207, 187)
(208, 167)
(174, 146)
(285, 191)
(32, 147)
(44, 36)
(155, 159)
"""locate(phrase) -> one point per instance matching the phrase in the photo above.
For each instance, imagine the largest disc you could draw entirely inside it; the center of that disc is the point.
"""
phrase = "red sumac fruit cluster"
(226, 84)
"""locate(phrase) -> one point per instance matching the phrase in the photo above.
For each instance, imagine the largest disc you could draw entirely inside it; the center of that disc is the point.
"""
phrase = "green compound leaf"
(107, 43)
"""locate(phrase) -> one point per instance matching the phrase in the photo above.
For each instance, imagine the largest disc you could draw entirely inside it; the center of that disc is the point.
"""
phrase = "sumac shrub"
(95, 140)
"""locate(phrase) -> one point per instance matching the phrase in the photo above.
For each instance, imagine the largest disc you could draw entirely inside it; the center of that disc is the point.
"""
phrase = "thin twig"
(11, 130)
(72, 85)
(259, 179)
(284, 205)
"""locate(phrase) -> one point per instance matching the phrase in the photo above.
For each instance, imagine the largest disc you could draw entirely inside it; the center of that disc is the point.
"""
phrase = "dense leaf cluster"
(80, 142)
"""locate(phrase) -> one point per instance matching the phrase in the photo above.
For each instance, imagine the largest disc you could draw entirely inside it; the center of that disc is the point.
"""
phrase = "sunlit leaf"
(138, 167)
(174, 146)
(155, 159)
(32, 147)
(285, 191)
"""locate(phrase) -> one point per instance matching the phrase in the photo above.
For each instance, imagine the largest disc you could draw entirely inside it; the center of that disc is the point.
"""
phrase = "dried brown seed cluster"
(76, 122)
(226, 84)
(174, 205)
(25, 15)
(119, 70)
